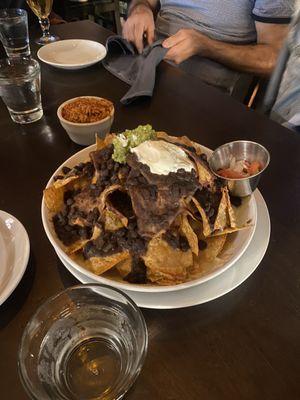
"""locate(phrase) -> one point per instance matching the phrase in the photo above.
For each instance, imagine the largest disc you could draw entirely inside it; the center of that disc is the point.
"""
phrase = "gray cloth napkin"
(138, 70)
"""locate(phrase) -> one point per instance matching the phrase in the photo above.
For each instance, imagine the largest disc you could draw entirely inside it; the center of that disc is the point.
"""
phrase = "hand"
(185, 44)
(139, 23)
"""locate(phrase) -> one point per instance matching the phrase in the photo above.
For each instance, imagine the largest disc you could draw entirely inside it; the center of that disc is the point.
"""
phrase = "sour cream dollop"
(162, 157)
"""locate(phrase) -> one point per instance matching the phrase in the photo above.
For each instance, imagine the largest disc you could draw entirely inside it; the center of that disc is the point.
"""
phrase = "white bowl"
(236, 243)
(84, 133)
(72, 54)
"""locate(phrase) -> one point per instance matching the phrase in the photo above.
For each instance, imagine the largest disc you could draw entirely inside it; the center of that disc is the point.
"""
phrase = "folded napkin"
(138, 70)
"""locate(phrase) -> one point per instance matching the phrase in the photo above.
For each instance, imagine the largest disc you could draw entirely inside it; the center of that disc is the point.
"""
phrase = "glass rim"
(6, 62)
(143, 352)
(12, 13)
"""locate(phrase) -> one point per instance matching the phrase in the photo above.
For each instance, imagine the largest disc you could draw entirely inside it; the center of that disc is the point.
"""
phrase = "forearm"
(151, 4)
(258, 59)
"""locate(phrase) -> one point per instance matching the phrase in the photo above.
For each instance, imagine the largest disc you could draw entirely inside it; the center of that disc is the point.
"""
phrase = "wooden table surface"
(245, 345)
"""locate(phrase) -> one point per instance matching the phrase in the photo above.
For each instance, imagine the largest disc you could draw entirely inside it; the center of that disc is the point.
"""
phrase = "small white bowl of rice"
(83, 117)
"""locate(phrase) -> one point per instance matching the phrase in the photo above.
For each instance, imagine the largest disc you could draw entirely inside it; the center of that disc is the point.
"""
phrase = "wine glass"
(42, 9)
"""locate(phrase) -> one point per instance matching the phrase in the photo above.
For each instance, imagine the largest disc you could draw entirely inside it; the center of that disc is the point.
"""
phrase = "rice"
(86, 110)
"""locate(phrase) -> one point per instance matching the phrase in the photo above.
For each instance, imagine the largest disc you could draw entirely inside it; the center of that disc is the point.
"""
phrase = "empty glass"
(20, 89)
(88, 342)
(14, 32)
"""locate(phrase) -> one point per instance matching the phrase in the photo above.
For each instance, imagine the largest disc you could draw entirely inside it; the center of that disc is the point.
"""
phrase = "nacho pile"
(113, 213)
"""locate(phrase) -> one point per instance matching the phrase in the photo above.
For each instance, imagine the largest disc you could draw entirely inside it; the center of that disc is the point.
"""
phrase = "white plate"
(72, 53)
(236, 244)
(14, 254)
(217, 286)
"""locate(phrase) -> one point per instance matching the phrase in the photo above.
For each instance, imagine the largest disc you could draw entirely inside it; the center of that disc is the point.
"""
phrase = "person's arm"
(140, 23)
(259, 58)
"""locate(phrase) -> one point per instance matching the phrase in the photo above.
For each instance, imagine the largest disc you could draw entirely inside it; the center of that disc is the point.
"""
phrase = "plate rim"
(124, 286)
(69, 65)
(20, 268)
(262, 206)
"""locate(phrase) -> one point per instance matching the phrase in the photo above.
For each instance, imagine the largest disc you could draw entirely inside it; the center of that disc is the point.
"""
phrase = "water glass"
(89, 342)
(14, 32)
(20, 89)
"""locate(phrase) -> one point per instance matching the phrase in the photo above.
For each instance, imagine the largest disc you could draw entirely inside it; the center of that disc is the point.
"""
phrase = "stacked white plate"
(14, 254)
(242, 254)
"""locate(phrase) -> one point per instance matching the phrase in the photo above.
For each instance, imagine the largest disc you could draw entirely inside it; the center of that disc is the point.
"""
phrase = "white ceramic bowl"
(236, 243)
(72, 54)
(84, 133)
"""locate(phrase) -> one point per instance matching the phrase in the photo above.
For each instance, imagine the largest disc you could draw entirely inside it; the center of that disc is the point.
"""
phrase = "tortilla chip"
(104, 142)
(54, 198)
(112, 221)
(101, 264)
(165, 265)
(190, 235)
(105, 194)
(63, 182)
(77, 221)
(205, 222)
(230, 230)
(203, 262)
(205, 176)
(124, 267)
(231, 213)
(184, 140)
(79, 244)
(221, 219)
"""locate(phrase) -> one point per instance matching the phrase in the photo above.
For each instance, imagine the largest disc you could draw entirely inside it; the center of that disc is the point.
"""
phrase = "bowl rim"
(143, 353)
(84, 124)
(247, 177)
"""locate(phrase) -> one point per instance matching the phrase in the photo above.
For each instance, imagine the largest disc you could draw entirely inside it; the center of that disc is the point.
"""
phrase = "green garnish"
(129, 139)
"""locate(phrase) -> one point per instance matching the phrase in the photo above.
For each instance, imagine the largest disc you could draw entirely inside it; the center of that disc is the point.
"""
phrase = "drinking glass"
(20, 89)
(88, 342)
(42, 9)
(14, 32)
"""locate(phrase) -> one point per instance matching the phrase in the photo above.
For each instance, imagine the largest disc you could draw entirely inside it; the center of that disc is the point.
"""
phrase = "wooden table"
(245, 345)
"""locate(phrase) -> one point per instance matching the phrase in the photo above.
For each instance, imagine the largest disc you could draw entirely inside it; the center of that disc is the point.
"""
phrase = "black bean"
(70, 202)
(66, 170)
(68, 228)
(114, 179)
(133, 234)
(83, 233)
(203, 157)
(211, 213)
(116, 167)
(99, 243)
(57, 177)
(202, 245)
(107, 247)
(183, 243)
(110, 164)
(236, 201)
(104, 174)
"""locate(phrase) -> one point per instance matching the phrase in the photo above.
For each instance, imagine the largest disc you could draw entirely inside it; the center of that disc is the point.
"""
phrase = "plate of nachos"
(142, 211)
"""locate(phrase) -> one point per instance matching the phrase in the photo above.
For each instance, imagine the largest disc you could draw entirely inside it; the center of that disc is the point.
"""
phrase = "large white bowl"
(236, 243)
(72, 53)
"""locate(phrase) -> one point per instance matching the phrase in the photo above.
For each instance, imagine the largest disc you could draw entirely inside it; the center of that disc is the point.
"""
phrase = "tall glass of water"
(14, 32)
(20, 89)
(42, 9)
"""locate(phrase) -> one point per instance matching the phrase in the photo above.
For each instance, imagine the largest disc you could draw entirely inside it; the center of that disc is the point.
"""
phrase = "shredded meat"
(85, 110)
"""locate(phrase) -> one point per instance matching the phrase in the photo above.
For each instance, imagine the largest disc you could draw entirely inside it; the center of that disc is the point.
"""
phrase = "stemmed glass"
(42, 9)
